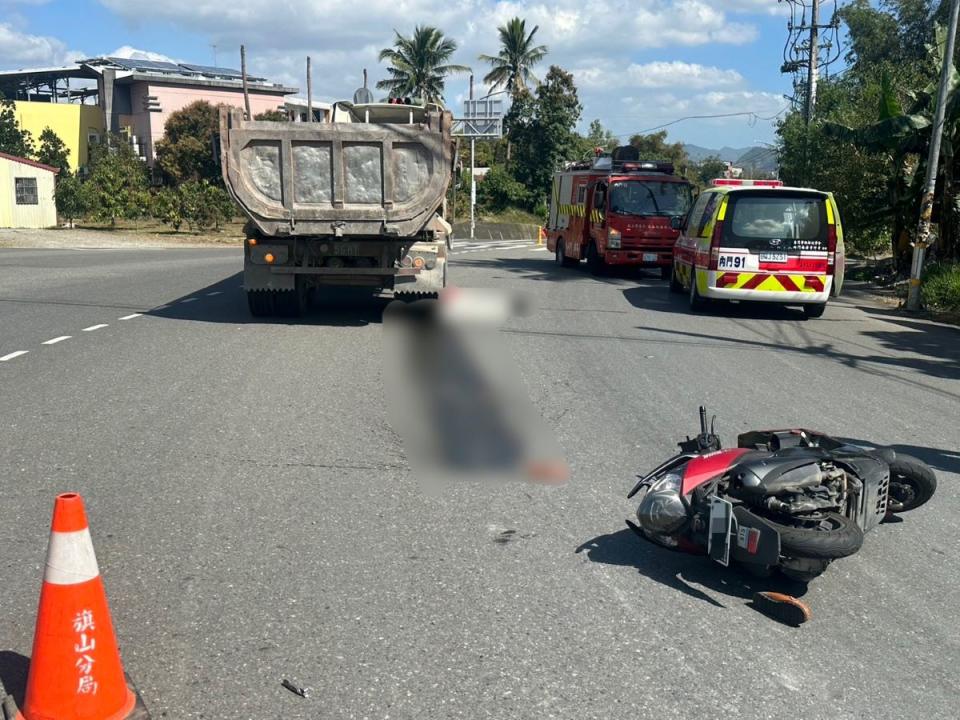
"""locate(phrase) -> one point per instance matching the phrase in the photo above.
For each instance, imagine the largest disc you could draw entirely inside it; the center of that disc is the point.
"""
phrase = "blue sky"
(637, 63)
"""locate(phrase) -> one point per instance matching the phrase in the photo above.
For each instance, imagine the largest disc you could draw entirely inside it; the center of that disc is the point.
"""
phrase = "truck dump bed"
(344, 179)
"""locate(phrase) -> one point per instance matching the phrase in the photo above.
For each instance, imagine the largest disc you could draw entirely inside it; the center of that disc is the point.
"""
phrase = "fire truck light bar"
(731, 182)
(658, 167)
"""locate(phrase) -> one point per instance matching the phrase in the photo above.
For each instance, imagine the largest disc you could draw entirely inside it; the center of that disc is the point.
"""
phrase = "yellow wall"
(42, 215)
(71, 122)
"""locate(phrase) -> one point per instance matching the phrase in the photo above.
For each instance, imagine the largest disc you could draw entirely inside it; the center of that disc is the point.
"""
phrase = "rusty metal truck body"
(355, 201)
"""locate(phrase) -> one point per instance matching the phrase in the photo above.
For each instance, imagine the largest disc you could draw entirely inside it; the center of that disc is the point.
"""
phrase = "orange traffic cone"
(75, 671)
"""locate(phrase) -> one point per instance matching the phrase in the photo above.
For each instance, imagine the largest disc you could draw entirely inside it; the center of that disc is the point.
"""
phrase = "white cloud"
(18, 49)
(132, 53)
(658, 74)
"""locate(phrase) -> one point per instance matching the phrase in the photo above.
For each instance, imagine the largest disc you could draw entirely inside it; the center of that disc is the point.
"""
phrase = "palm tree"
(418, 64)
(511, 66)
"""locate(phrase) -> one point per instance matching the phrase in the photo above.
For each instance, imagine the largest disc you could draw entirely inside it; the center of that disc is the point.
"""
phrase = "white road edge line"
(188, 300)
(13, 355)
(54, 341)
(95, 327)
(131, 316)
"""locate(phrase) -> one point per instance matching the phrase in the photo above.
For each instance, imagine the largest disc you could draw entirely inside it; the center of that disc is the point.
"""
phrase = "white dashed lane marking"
(131, 316)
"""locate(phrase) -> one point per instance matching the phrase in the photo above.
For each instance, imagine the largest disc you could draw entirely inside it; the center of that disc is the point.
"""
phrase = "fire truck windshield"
(649, 197)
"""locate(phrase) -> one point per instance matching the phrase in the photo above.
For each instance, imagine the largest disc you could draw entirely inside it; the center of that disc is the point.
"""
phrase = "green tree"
(600, 137)
(543, 131)
(272, 116)
(117, 185)
(13, 139)
(710, 168)
(511, 67)
(656, 147)
(70, 198)
(53, 151)
(419, 64)
(186, 150)
(498, 191)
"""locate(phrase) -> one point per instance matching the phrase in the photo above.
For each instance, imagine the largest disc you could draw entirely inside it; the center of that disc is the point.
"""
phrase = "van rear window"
(754, 220)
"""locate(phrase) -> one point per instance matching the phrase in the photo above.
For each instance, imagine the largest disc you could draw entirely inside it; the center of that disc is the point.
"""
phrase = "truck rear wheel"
(260, 302)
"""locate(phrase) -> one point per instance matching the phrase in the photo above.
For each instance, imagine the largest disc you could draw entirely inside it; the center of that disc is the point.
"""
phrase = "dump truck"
(356, 201)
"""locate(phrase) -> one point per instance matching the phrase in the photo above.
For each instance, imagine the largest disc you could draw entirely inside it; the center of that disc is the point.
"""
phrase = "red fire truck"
(617, 210)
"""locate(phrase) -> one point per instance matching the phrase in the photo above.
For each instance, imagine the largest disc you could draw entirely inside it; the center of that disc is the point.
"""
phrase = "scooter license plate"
(720, 530)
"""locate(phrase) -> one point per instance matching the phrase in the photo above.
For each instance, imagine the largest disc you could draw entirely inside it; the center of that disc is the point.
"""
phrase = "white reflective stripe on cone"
(70, 558)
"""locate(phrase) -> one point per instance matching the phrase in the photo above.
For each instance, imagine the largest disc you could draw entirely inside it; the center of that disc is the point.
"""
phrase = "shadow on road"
(13, 675)
(682, 572)
(544, 268)
(225, 302)
(659, 299)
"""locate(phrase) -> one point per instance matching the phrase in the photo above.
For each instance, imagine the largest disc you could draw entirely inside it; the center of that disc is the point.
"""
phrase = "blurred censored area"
(456, 398)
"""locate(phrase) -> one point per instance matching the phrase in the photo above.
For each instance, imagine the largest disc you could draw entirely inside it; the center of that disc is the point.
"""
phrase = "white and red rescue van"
(759, 240)
(617, 210)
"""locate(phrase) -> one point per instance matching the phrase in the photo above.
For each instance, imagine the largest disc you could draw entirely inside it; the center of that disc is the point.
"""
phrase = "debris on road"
(784, 608)
(302, 692)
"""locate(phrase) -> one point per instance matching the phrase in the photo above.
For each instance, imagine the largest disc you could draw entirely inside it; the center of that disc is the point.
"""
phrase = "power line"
(754, 114)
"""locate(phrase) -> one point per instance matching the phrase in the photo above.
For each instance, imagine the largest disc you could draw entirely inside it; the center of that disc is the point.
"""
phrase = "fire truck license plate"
(649, 257)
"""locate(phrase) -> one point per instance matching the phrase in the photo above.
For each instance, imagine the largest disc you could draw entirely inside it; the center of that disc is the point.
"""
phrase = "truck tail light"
(831, 248)
(715, 245)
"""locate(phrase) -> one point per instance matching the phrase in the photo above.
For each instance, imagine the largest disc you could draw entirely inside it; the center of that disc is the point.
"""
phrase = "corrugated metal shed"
(26, 193)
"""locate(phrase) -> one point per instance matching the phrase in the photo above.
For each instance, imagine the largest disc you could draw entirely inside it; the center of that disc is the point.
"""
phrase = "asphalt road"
(255, 518)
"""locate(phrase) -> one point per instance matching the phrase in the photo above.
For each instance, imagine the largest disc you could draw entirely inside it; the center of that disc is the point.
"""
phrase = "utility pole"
(309, 92)
(812, 66)
(473, 176)
(922, 240)
(243, 74)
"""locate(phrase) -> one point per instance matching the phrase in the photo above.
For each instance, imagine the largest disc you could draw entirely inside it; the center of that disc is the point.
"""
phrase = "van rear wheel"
(697, 301)
(675, 286)
(814, 310)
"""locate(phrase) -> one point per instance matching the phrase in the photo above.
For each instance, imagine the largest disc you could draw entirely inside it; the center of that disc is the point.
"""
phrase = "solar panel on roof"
(211, 70)
(134, 64)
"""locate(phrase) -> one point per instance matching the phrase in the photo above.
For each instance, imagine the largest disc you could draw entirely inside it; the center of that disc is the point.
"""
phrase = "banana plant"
(905, 136)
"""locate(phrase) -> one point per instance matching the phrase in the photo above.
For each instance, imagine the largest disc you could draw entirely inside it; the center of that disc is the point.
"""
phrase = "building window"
(26, 190)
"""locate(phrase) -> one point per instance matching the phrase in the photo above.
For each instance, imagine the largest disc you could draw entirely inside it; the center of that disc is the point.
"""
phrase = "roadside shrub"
(198, 204)
(168, 208)
(70, 199)
(941, 287)
(499, 190)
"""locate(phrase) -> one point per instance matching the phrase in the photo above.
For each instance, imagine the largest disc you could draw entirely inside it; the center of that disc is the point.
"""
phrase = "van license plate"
(773, 257)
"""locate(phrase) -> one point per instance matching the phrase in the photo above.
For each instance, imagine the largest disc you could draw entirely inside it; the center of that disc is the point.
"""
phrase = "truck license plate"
(773, 257)
(649, 257)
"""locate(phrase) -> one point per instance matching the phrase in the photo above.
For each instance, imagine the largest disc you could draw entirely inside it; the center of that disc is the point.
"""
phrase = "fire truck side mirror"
(677, 222)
